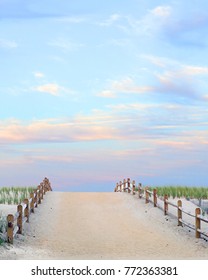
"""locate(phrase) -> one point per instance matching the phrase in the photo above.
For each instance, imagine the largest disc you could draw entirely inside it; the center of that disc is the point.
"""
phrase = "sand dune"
(102, 226)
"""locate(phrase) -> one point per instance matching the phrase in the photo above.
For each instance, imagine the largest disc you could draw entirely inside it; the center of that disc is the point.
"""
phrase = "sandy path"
(103, 226)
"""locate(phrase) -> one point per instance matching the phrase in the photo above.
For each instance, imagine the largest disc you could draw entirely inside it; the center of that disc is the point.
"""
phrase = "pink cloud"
(54, 131)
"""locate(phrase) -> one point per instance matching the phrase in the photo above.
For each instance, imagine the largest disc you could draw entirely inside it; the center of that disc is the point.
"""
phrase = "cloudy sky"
(93, 92)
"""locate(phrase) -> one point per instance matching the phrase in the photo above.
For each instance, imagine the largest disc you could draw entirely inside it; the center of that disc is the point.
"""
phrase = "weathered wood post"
(41, 191)
(47, 184)
(179, 212)
(124, 185)
(19, 219)
(32, 202)
(43, 188)
(120, 186)
(36, 198)
(155, 197)
(10, 228)
(165, 204)
(197, 222)
(26, 211)
(39, 196)
(128, 185)
(146, 195)
(140, 190)
(133, 187)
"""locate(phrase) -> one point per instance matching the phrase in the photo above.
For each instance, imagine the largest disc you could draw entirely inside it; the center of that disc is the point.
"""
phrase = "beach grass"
(14, 195)
(182, 191)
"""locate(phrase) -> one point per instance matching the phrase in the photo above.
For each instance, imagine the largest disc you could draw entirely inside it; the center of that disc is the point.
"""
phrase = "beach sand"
(103, 226)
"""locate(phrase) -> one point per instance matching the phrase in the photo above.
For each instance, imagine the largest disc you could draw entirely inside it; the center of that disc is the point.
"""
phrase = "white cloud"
(194, 70)
(162, 62)
(107, 94)
(52, 89)
(111, 20)
(65, 45)
(161, 11)
(151, 23)
(165, 62)
(39, 75)
(126, 85)
(7, 44)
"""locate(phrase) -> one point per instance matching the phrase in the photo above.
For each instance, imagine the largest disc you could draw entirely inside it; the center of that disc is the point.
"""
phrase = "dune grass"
(14, 195)
(182, 191)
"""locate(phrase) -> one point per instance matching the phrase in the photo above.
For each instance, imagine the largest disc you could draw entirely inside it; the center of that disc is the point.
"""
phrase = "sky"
(93, 92)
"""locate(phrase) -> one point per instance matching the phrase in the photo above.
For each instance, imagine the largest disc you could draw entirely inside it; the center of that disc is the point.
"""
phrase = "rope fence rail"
(151, 196)
(16, 222)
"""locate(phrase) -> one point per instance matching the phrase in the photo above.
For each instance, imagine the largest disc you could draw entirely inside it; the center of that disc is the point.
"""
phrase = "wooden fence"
(15, 223)
(151, 196)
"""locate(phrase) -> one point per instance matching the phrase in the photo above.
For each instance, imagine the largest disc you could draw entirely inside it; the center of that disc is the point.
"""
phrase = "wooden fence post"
(19, 219)
(36, 198)
(165, 204)
(179, 212)
(155, 197)
(32, 202)
(47, 184)
(146, 195)
(41, 191)
(124, 185)
(39, 195)
(197, 222)
(128, 185)
(26, 211)
(140, 190)
(120, 186)
(10, 228)
(133, 187)
(44, 189)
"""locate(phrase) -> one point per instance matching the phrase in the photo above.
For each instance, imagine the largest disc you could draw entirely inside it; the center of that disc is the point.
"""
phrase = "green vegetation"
(14, 195)
(182, 191)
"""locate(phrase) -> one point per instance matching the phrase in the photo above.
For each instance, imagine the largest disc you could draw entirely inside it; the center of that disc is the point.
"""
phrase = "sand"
(103, 226)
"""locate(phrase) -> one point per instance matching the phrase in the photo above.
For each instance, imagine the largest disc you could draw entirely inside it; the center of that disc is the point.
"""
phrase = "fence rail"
(16, 222)
(151, 196)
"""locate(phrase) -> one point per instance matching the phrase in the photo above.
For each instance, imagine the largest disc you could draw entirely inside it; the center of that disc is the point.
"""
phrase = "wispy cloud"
(161, 11)
(50, 131)
(174, 77)
(151, 23)
(39, 75)
(52, 89)
(8, 44)
(65, 45)
(111, 20)
(124, 86)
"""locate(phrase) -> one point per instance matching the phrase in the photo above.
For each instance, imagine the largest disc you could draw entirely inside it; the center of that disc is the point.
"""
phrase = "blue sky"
(93, 92)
